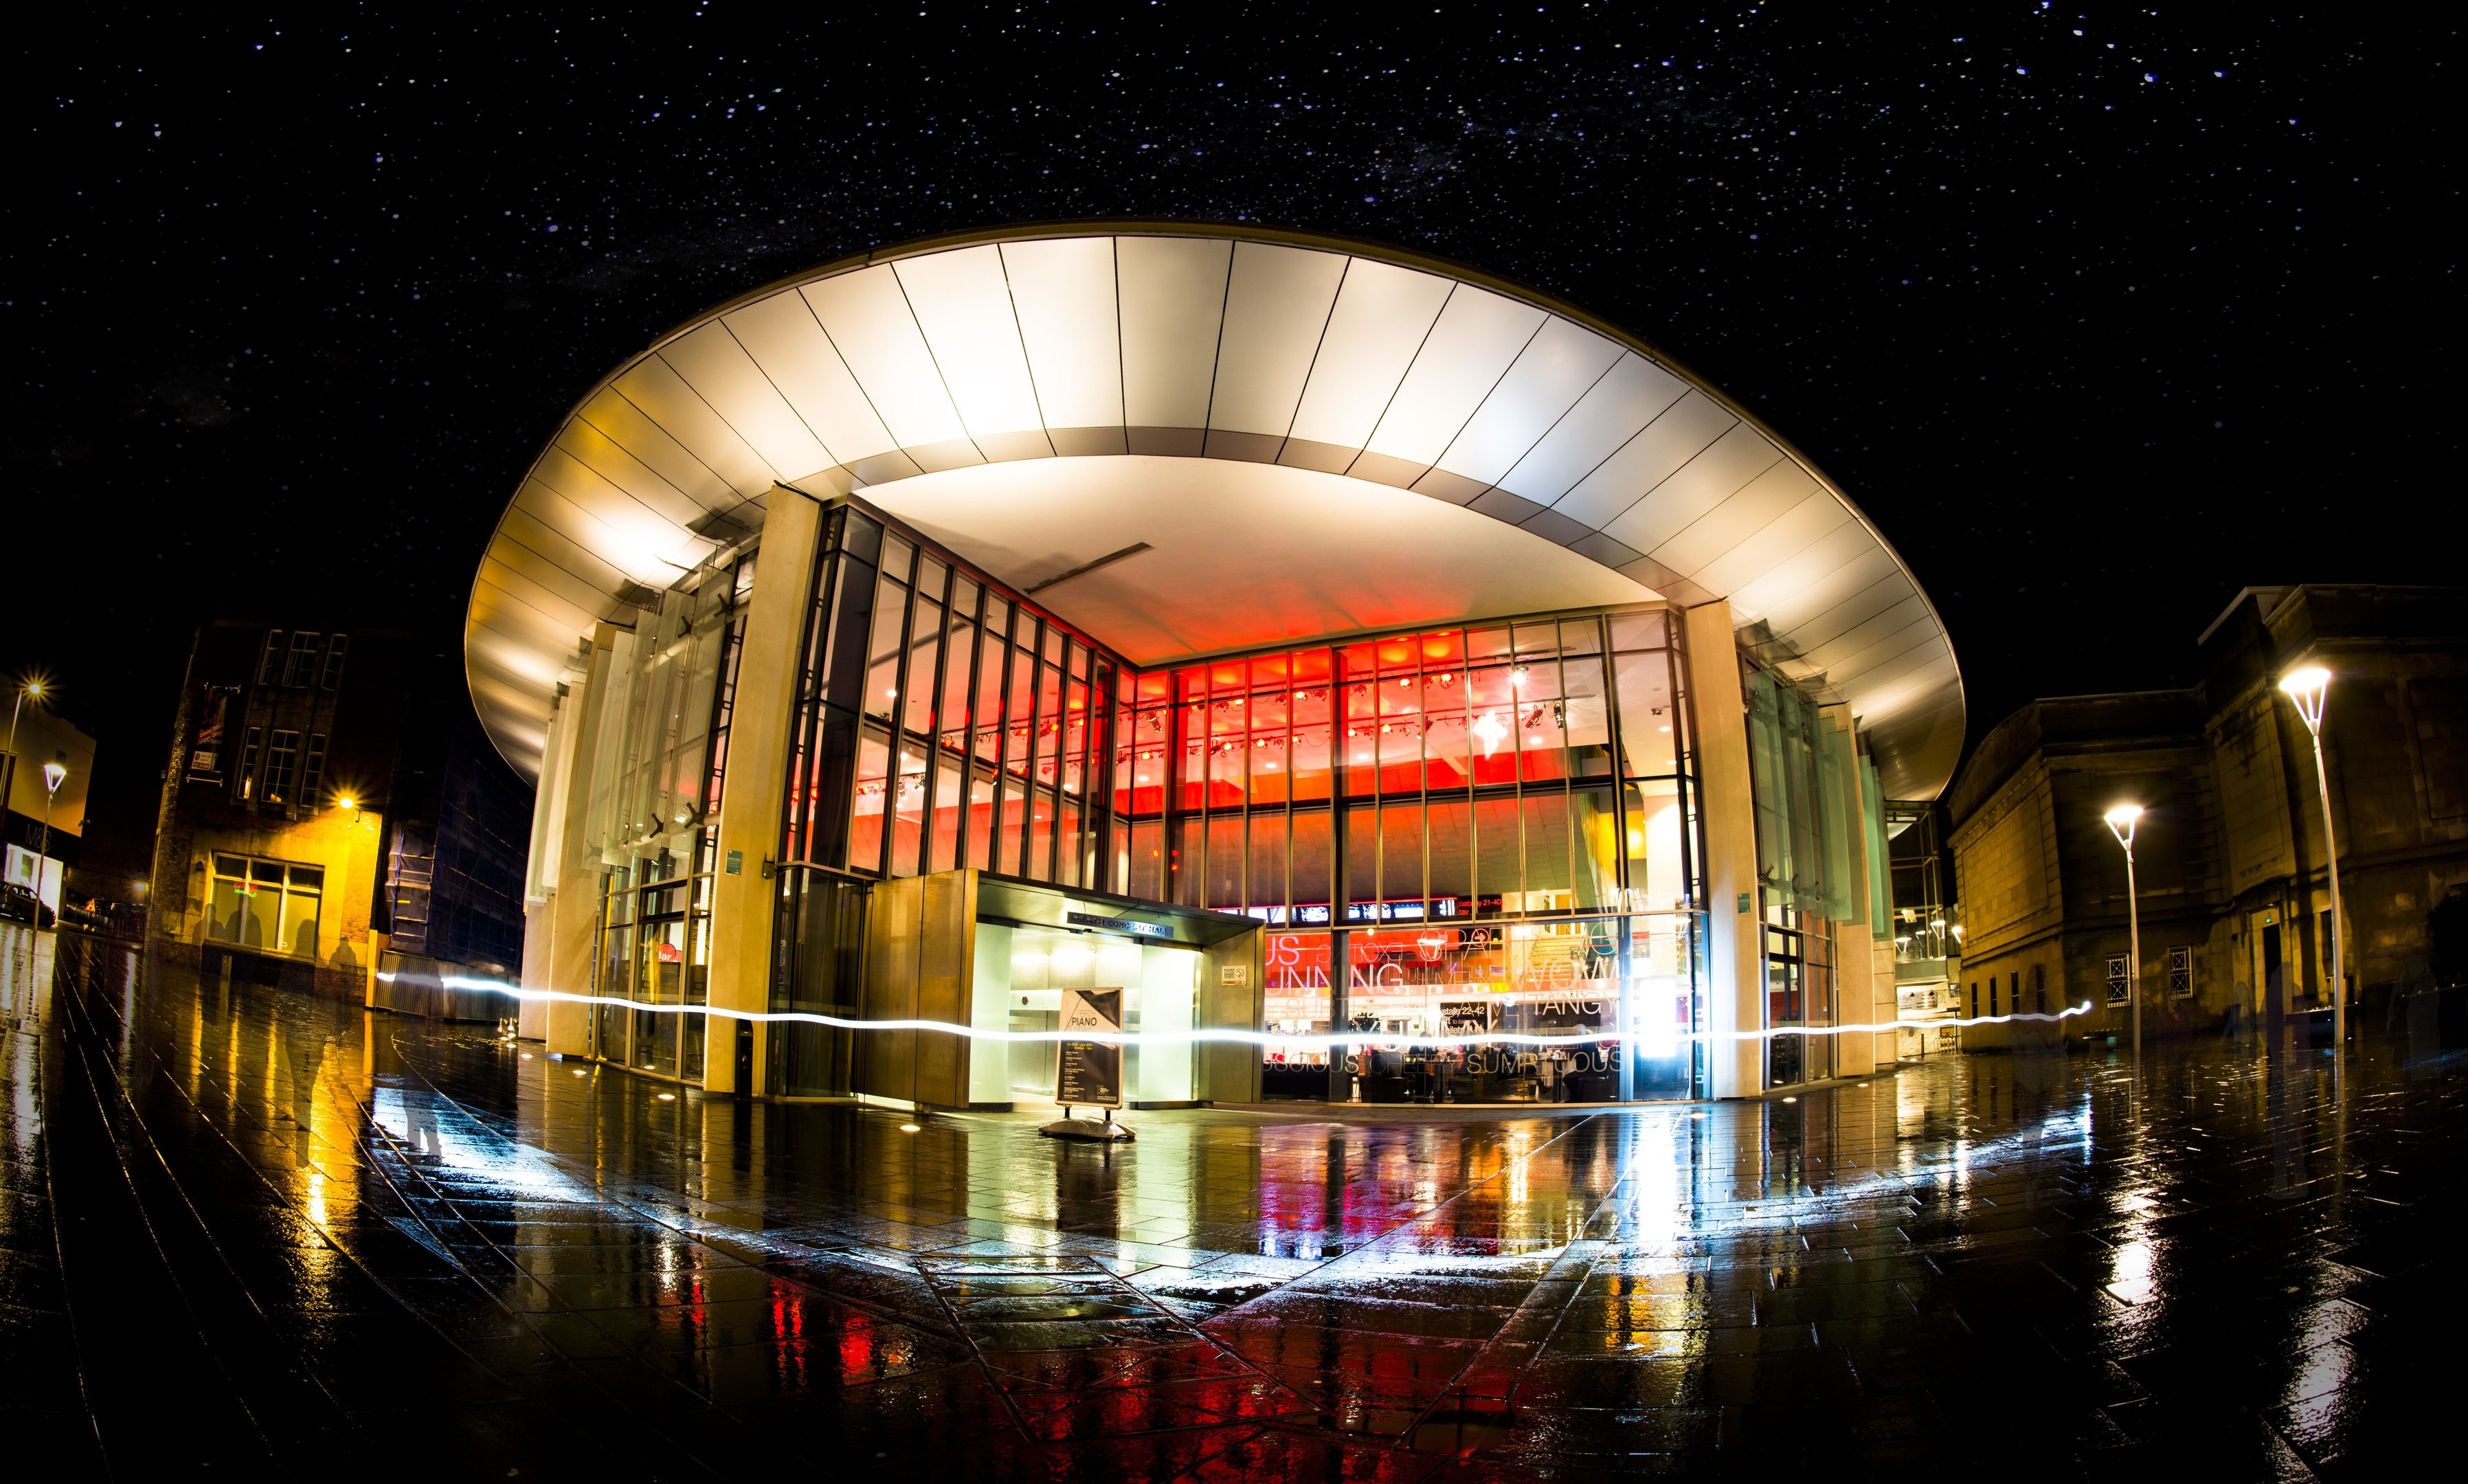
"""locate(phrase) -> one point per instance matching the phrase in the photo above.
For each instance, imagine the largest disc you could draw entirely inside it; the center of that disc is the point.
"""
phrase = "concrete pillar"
(756, 790)
(1735, 989)
(573, 913)
(1854, 962)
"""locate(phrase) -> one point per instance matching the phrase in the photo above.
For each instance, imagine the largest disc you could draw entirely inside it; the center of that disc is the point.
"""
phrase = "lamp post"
(53, 773)
(2309, 687)
(2121, 823)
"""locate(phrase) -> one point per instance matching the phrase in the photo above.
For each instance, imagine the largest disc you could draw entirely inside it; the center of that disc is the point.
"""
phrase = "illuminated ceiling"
(1313, 437)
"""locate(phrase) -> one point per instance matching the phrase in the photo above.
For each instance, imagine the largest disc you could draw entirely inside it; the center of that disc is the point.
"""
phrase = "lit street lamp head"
(53, 774)
(2307, 686)
(2121, 821)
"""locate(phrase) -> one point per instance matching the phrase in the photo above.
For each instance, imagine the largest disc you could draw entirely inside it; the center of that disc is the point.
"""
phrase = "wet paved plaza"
(246, 1230)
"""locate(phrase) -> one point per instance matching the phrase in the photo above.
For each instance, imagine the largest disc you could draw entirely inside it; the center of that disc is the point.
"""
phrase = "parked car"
(20, 904)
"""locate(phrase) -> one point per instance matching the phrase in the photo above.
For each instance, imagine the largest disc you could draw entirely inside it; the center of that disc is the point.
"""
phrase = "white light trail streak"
(1251, 1038)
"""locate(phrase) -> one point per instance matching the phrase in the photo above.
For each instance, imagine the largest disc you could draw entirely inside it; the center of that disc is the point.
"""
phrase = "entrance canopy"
(1188, 439)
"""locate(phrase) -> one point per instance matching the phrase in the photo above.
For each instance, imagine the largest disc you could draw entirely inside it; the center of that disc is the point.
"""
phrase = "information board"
(1090, 1073)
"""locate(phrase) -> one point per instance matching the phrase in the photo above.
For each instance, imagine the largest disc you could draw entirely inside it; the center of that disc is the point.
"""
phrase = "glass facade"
(654, 816)
(1506, 807)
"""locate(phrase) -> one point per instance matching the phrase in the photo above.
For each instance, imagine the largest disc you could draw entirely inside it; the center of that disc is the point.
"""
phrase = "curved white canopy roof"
(1312, 436)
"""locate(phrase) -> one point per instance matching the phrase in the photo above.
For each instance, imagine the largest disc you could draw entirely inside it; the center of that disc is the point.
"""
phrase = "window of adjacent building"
(2181, 972)
(1992, 994)
(270, 657)
(300, 666)
(2120, 986)
(333, 674)
(1974, 999)
(312, 769)
(252, 746)
(280, 758)
(267, 904)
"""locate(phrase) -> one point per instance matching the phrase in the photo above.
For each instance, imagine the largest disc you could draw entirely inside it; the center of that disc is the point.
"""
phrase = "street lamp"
(2309, 686)
(2121, 823)
(53, 773)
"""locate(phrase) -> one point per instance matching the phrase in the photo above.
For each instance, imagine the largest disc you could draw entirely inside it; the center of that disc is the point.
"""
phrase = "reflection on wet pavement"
(245, 1229)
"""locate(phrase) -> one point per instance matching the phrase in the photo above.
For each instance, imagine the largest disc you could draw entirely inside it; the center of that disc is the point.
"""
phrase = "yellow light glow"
(348, 802)
(2122, 816)
(2306, 680)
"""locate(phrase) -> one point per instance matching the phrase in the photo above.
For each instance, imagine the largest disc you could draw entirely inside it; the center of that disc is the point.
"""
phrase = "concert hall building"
(1301, 634)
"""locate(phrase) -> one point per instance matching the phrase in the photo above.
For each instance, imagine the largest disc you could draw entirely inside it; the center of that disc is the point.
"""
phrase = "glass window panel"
(1542, 726)
(1657, 879)
(960, 644)
(1397, 654)
(1152, 687)
(866, 812)
(1482, 644)
(1491, 726)
(882, 650)
(1126, 748)
(1191, 682)
(1014, 830)
(1537, 641)
(299, 928)
(1269, 778)
(963, 598)
(1400, 859)
(1445, 736)
(1450, 829)
(1311, 667)
(1497, 878)
(917, 705)
(1638, 632)
(1040, 834)
(1267, 891)
(1547, 886)
(897, 554)
(1017, 723)
(1271, 671)
(1075, 737)
(1050, 729)
(1193, 761)
(1580, 636)
(1589, 717)
(1148, 874)
(981, 821)
(1152, 760)
(1227, 744)
(944, 850)
(931, 575)
(1052, 648)
(1072, 844)
(308, 877)
(1079, 665)
(1361, 861)
(1225, 852)
(1598, 848)
(1308, 858)
(1647, 715)
(1359, 744)
(1399, 741)
(1296, 1002)
(266, 870)
(908, 811)
(1308, 759)
(1230, 677)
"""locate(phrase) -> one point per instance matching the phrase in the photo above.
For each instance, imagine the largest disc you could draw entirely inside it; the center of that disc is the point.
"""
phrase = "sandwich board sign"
(1090, 1073)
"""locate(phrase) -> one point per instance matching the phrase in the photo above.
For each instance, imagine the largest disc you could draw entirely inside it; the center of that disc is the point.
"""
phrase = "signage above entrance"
(1119, 924)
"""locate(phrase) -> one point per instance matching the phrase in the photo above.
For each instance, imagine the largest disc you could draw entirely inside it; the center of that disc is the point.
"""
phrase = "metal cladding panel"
(1556, 368)
(723, 376)
(1631, 395)
(1173, 309)
(1064, 293)
(963, 304)
(654, 386)
(867, 317)
(1276, 305)
(698, 487)
(1469, 349)
(1227, 344)
(1381, 319)
(1758, 504)
(1724, 470)
(1679, 432)
(788, 343)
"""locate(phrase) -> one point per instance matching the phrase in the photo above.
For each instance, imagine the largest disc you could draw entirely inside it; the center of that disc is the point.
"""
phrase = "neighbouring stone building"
(326, 820)
(2228, 857)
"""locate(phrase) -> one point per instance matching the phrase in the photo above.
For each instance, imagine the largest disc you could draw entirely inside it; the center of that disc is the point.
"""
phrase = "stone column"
(1727, 810)
(756, 790)
(1854, 960)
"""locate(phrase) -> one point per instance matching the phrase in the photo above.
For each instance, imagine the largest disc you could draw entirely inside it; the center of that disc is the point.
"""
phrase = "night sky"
(2100, 315)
